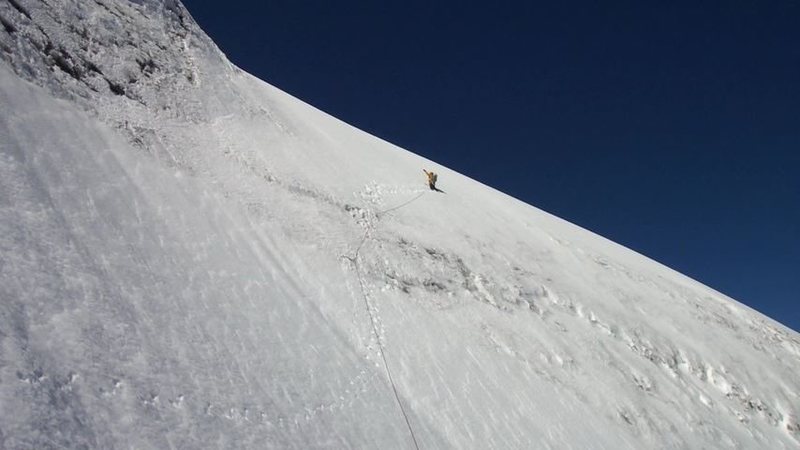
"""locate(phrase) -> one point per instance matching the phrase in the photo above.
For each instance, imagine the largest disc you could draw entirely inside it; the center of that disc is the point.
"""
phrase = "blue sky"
(672, 128)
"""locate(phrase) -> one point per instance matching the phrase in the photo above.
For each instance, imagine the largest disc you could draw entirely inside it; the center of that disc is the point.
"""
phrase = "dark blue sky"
(673, 129)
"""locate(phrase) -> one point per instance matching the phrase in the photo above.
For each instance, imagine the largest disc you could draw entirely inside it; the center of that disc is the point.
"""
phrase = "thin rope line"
(379, 214)
(382, 351)
(373, 321)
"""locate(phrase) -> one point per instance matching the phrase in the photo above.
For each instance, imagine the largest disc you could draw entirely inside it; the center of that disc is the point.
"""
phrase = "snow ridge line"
(372, 318)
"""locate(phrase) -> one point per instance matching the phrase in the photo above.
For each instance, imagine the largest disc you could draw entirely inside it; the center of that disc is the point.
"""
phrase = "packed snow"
(191, 258)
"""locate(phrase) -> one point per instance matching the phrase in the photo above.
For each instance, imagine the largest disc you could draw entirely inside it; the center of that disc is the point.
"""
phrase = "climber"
(432, 180)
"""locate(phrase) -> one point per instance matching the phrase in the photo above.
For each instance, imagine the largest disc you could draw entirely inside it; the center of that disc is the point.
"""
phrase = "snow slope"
(191, 258)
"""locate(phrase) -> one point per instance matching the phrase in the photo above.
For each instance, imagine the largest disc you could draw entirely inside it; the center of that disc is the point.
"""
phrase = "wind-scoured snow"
(191, 258)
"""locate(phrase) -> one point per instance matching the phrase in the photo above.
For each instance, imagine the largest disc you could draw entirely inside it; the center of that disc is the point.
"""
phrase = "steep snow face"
(190, 258)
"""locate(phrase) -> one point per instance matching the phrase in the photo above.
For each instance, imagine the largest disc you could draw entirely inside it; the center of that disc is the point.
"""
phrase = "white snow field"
(191, 258)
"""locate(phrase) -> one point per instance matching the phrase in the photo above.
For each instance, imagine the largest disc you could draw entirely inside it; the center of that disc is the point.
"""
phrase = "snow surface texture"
(191, 258)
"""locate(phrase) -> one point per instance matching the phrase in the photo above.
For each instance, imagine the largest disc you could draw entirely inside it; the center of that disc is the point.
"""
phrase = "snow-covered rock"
(191, 258)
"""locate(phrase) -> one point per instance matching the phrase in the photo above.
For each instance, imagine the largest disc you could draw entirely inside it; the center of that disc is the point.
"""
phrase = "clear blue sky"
(671, 128)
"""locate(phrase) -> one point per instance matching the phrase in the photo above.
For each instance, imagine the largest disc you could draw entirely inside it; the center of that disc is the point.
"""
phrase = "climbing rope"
(377, 217)
(379, 214)
(374, 321)
(382, 351)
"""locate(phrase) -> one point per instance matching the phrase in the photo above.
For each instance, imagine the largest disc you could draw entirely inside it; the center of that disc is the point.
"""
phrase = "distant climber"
(432, 177)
